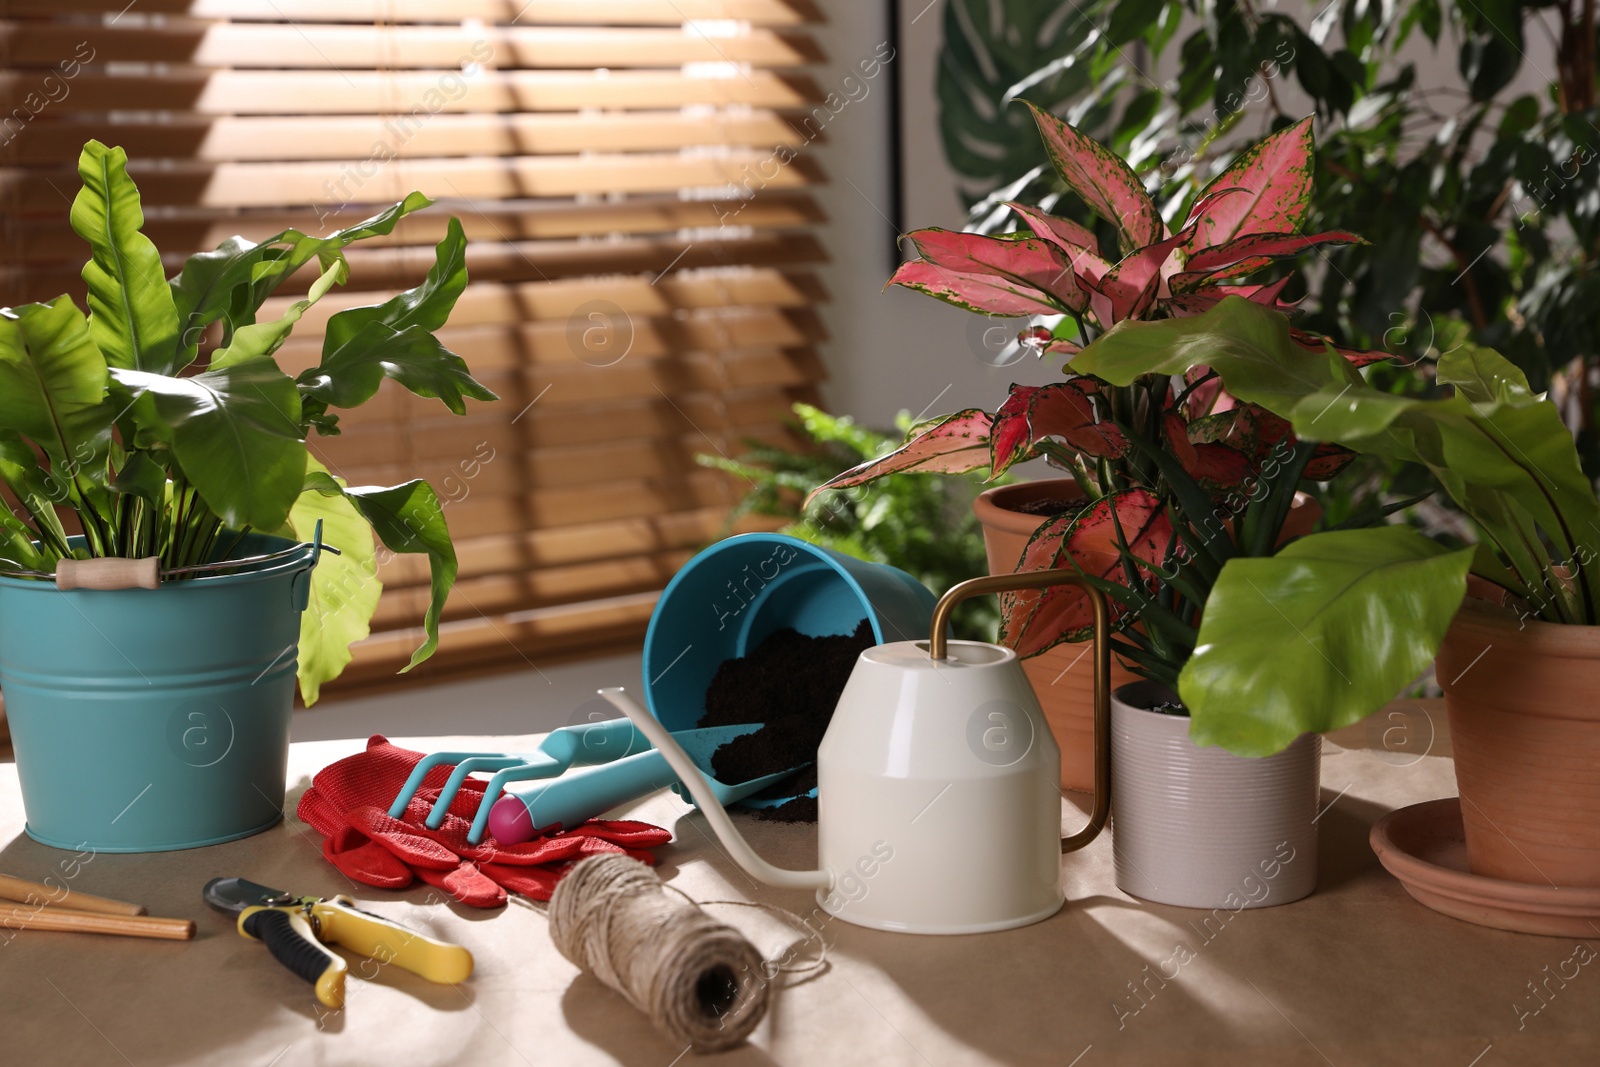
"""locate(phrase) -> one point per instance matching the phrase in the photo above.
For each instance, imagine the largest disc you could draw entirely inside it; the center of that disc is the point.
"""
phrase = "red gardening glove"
(348, 803)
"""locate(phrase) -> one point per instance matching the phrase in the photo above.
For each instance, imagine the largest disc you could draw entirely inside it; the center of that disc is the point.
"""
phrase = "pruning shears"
(297, 931)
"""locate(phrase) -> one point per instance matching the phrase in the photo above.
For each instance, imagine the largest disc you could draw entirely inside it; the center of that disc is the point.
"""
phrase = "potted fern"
(1240, 631)
(149, 660)
(1281, 650)
(1058, 273)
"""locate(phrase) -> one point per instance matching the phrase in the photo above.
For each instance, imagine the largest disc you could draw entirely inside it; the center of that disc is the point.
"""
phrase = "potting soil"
(789, 684)
(1049, 507)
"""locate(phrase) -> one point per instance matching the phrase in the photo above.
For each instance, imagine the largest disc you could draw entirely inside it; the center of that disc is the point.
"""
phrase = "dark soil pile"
(789, 684)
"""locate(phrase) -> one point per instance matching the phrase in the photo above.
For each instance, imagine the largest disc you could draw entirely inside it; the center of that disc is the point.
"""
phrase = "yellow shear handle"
(340, 922)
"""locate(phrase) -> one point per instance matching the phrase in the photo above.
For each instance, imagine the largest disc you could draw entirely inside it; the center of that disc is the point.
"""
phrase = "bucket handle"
(998, 583)
(300, 587)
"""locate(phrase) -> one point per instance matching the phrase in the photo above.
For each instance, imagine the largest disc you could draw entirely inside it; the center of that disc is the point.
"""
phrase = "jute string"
(700, 982)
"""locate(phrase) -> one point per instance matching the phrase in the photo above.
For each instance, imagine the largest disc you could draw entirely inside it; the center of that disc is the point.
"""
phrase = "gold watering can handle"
(998, 583)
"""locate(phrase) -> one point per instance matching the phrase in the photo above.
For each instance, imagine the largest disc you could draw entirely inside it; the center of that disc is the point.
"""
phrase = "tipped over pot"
(1063, 677)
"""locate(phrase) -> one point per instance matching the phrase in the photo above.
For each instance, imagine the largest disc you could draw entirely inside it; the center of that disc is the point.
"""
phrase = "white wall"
(897, 349)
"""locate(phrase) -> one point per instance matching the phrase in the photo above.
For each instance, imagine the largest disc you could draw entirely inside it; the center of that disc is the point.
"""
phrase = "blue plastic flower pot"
(732, 596)
(145, 720)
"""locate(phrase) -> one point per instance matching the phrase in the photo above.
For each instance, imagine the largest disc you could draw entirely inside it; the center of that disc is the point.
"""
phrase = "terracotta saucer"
(1424, 846)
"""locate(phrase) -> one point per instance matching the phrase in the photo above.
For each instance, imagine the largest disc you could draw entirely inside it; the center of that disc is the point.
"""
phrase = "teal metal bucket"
(145, 720)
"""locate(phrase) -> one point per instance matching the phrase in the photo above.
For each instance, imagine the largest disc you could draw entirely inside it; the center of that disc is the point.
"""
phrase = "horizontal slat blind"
(273, 137)
(635, 159)
(251, 92)
(656, 219)
(499, 12)
(259, 45)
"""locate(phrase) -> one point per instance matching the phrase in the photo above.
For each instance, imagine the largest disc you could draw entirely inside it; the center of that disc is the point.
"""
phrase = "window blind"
(632, 179)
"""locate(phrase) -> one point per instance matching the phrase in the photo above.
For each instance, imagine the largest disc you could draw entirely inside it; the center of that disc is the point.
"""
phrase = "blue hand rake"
(529, 808)
(569, 746)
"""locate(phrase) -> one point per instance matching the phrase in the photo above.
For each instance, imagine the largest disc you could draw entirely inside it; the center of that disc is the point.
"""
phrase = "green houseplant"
(112, 419)
(1516, 665)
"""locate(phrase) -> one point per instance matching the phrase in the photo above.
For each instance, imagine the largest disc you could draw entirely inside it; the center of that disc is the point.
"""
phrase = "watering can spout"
(708, 803)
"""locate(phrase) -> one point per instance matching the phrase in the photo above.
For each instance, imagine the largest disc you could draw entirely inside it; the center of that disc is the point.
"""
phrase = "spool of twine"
(698, 980)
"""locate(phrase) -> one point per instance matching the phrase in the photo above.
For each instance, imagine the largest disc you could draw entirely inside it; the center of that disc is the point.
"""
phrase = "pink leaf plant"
(1246, 218)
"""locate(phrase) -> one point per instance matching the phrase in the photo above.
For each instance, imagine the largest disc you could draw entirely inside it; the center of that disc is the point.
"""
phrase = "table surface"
(1358, 973)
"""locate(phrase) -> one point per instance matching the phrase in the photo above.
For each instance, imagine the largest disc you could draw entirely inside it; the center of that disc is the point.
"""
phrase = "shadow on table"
(1114, 972)
(228, 985)
(1041, 993)
(1344, 852)
(601, 1016)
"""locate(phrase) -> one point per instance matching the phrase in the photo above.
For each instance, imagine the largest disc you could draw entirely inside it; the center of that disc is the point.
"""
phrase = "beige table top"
(1356, 974)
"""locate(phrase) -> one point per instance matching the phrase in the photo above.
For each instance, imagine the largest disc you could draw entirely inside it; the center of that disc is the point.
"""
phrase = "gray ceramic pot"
(1201, 827)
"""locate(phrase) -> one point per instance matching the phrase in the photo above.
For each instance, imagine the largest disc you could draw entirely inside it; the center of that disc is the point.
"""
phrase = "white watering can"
(939, 810)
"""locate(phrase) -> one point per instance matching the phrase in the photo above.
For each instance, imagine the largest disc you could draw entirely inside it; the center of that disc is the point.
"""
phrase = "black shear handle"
(291, 941)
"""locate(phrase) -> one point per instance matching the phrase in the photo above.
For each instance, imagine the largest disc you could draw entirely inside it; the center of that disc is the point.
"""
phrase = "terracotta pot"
(1526, 732)
(1200, 827)
(1063, 678)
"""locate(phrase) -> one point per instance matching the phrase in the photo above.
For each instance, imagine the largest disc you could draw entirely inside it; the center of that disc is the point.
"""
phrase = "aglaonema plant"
(1114, 438)
(114, 417)
(1244, 220)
